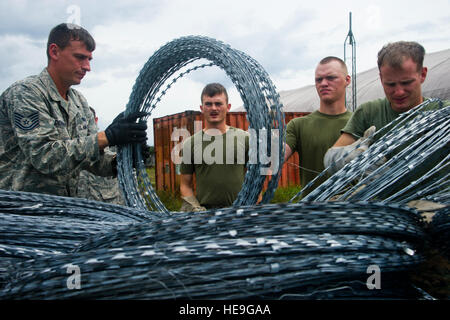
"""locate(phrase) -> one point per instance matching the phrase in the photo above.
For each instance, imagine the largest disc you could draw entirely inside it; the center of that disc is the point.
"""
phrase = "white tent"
(368, 86)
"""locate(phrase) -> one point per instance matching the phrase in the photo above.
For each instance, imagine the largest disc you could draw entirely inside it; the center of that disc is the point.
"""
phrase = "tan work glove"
(191, 204)
(337, 157)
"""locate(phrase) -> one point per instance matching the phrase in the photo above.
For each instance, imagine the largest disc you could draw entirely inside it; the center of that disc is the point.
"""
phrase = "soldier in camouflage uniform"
(47, 132)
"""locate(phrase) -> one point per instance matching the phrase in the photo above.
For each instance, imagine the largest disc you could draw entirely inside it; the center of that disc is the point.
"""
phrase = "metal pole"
(350, 40)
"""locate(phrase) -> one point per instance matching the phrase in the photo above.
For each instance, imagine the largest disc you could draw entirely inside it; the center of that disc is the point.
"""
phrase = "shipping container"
(167, 174)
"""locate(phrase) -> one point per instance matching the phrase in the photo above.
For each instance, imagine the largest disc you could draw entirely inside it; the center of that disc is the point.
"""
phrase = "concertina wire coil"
(260, 98)
(306, 250)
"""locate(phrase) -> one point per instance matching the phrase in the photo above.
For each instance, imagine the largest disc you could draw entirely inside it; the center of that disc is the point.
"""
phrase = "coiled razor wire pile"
(261, 101)
(416, 147)
(34, 225)
(440, 230)
(306, 250)
(313, 250)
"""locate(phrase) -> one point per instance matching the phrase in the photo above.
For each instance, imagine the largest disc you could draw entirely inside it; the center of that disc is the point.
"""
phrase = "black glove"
(125, 130)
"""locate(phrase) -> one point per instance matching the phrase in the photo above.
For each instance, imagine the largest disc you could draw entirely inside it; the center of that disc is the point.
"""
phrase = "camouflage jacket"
(45, 141)
(105, 189)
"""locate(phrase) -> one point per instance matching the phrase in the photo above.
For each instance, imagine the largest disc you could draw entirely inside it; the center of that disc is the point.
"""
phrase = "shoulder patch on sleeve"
(26, 123)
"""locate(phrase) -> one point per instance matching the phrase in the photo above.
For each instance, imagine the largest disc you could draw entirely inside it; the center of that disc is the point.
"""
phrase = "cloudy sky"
(287, 37)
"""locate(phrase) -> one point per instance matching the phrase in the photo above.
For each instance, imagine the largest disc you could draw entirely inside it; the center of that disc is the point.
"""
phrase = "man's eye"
(81, 57)
(406, 83)
(331, 78)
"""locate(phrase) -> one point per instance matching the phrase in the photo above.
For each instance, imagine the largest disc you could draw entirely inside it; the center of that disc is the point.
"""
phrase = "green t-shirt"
(219, 165)
(311, 136)
(376, 113)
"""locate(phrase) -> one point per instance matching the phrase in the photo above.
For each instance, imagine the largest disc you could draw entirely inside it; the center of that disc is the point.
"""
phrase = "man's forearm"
(287, 152)
(186, 191)
(344, 140)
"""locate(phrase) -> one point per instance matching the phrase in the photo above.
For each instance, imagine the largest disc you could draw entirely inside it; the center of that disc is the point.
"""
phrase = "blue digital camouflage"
(45, 141)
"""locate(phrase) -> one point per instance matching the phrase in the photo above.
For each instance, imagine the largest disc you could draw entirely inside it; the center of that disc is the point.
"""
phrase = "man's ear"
(229, 107)
(53, 51)
(423, 74)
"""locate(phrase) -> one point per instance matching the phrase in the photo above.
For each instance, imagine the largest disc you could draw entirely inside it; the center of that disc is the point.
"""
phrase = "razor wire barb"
(261, 101)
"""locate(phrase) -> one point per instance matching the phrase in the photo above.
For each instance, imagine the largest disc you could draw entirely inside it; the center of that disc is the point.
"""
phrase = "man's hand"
(191, 204)
(337, 157)
(125, 130)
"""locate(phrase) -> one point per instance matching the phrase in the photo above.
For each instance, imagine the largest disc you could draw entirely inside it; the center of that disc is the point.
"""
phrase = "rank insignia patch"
(26, 123)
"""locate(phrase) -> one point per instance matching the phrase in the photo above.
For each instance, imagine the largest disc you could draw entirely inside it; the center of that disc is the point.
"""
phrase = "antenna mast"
(350, 96)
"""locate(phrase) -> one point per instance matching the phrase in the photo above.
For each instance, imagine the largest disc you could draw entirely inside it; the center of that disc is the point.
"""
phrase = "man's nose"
(399, 90)
(86, 65)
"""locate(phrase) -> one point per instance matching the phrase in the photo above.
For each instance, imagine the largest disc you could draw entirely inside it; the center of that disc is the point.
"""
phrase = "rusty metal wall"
(167, 173)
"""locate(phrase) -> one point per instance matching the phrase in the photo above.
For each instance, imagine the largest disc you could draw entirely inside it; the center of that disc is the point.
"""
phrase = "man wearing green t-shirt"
(216, 155)
(312, 135)
(401, 73)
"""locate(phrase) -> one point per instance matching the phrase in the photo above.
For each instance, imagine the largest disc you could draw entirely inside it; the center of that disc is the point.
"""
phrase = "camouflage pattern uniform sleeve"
(45, 140)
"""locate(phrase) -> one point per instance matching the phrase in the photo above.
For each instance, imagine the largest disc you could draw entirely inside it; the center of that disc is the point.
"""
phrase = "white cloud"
(373, 17)
(20, 57)
(286, 37)
(293, 79)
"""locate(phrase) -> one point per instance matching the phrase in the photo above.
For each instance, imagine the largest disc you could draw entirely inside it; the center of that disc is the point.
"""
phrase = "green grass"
(171, 201)
(151, 175)
(284, 194)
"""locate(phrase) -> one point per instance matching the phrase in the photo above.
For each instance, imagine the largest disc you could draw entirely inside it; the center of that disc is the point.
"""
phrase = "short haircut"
(394, 54)
(333, 58)
(63, 33)
(213, 89)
